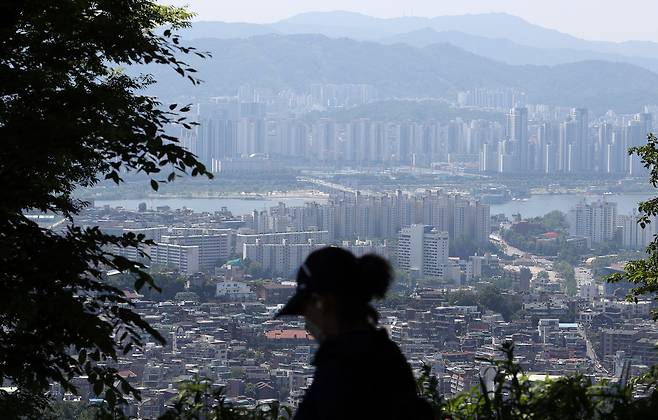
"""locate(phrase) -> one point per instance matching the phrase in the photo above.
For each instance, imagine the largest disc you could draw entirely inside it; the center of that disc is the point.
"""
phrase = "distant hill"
(498, 36)
(510, 52)
(490, 25)
(297, 61)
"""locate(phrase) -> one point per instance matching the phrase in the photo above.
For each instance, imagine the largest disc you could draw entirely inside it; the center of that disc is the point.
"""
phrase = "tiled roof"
(289, 334)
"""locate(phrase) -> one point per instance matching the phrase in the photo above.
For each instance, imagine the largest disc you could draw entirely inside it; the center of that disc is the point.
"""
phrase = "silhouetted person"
(359, 372)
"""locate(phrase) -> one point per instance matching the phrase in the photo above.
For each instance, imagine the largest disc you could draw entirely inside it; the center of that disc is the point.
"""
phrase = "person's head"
(335, 290)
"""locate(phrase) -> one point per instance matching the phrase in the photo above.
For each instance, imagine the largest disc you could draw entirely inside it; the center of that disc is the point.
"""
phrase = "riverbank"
(534, 206)
(540, 204)
(238, 206)
(194, 195)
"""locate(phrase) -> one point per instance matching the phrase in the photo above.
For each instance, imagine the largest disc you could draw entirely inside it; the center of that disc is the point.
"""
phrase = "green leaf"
(154, 185)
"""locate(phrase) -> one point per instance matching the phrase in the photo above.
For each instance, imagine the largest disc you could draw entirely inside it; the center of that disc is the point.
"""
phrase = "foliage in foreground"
(70, 118)
(199, 399)
(643, 273)
(509, 394)
(505, 392)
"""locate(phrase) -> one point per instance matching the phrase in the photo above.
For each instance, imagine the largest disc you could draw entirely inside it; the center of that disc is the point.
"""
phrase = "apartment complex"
(423, 251)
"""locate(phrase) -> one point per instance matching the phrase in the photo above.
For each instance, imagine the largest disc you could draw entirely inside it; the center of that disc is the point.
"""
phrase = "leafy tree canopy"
(487, 296)
(464, 247)
(643, 273)
(555, 220)
(568, 275)
(70, 117)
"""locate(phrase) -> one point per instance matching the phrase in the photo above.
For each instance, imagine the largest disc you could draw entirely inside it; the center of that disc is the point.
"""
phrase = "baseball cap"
(326, 270)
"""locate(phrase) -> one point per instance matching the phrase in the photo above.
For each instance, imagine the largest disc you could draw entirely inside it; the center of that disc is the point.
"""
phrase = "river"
(536, 205)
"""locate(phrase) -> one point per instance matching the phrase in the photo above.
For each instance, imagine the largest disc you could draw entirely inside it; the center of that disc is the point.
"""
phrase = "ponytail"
(374, 276)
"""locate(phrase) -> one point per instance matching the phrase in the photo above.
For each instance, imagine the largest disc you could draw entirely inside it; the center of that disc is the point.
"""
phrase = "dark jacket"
(361, 375)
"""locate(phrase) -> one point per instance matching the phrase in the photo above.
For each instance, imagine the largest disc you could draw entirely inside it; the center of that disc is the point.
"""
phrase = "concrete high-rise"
(423, 250)
(634, 235)
(214, 249)
(518, 133)
(605, 150)
(582, 153)
(634, 135)
(566, 150)
(646, 119)
(183, 257)
(595, 221)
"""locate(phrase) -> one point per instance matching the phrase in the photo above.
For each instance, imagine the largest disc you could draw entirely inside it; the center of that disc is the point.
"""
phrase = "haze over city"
(329, 210)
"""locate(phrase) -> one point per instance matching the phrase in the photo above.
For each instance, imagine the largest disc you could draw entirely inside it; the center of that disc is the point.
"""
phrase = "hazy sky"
(609, 20)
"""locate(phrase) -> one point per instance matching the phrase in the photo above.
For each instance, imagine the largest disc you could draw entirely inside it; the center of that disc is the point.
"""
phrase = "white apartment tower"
(596, 221)
(185, 258)
(423, 250)
(634, 236)
(518, 133)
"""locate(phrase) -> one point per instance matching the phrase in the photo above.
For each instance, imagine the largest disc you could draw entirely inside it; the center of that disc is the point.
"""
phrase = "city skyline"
(259, 130)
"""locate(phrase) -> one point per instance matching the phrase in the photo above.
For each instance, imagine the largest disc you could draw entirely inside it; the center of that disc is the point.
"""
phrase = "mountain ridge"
(439, 70)
(501, 36)
(495, 25)
(510, 52)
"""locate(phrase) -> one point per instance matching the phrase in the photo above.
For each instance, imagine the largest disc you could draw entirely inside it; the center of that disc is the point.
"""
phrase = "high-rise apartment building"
(298, 237)
(635, 134)
(359, 216)
(184, 258)
(581, 149)
(518, 133)
(216, 139)
(214, 249)
(279, 259)
(634, 236)
(423, 250)
(595, 221)
(606, 150)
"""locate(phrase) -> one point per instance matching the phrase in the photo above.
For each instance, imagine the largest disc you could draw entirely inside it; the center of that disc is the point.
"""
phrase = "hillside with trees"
(399, 70)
